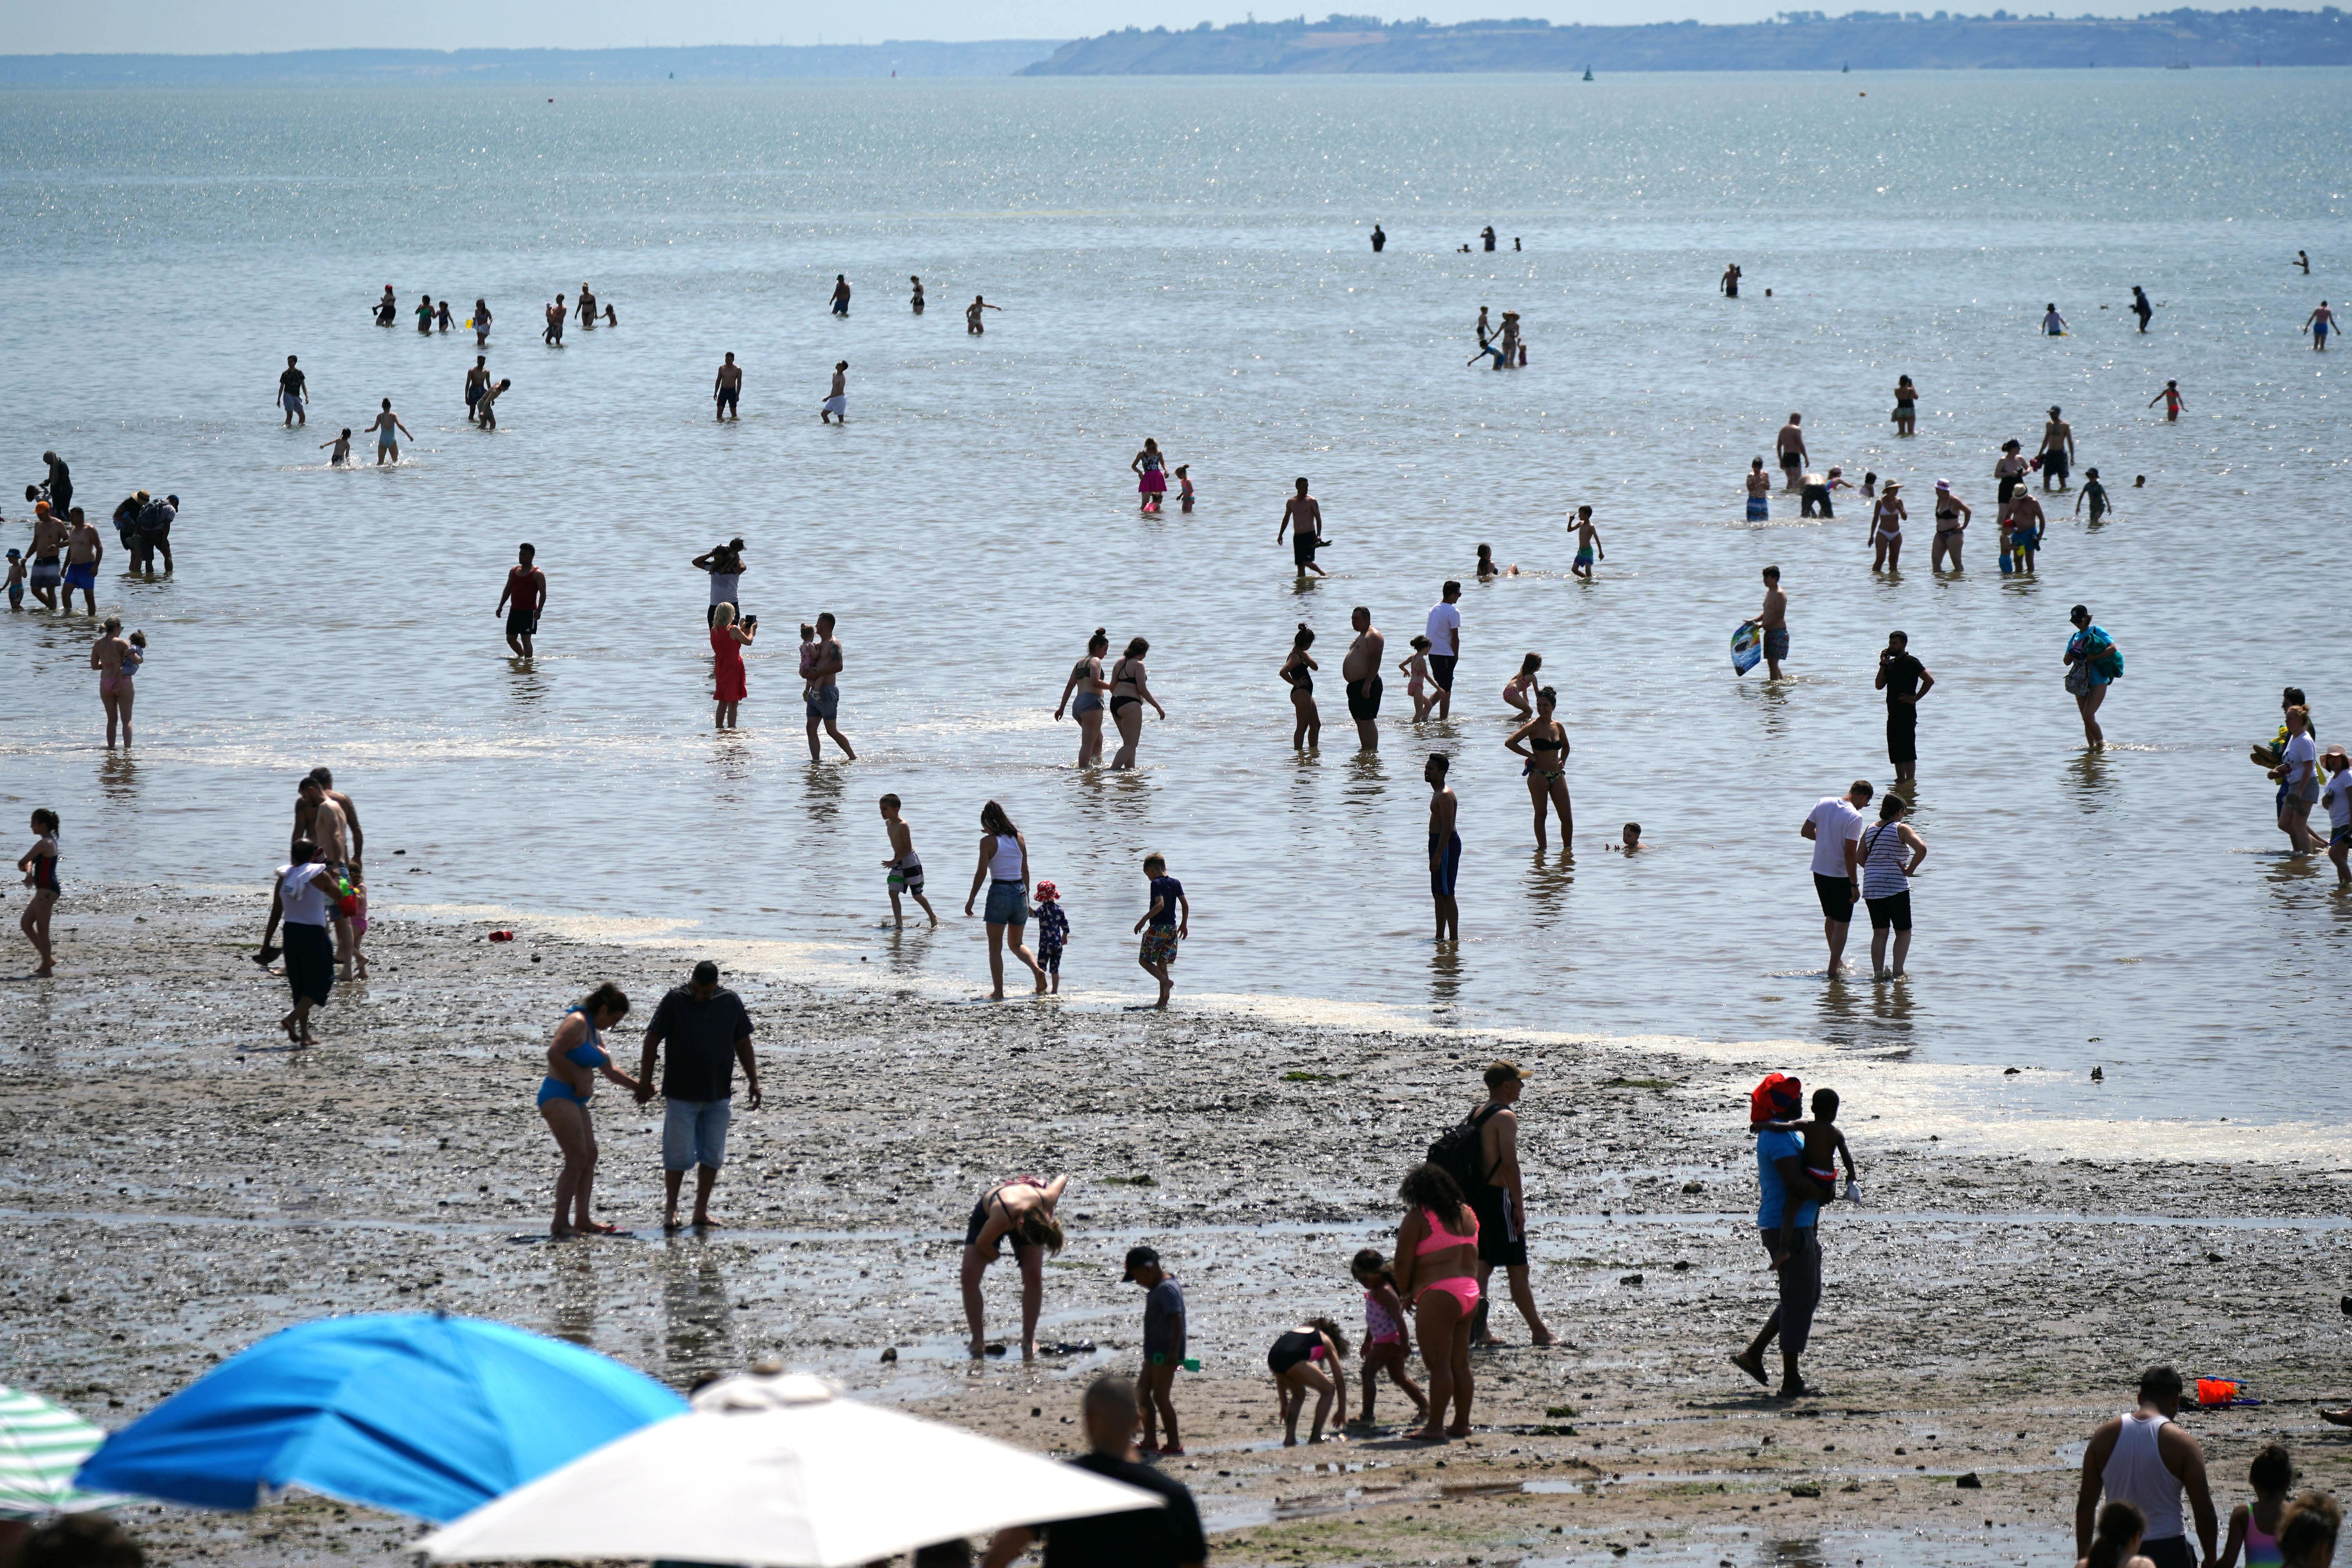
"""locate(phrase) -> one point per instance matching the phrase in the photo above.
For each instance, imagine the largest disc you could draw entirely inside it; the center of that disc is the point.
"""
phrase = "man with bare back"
(1302, 516)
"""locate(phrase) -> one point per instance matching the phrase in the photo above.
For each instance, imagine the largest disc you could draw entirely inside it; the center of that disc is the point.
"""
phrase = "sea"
(1187, 259)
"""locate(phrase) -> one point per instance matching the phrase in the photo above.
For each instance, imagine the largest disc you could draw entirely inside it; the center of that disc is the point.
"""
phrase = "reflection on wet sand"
(699, 1320)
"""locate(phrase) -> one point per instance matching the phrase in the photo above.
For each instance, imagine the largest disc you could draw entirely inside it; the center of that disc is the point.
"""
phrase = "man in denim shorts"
(708, 1032)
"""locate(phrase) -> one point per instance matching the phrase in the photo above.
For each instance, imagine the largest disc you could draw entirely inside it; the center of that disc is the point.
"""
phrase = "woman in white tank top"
(1004, 866)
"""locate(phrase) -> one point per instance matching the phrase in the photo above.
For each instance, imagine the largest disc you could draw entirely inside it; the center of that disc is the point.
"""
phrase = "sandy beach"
(178, 1184)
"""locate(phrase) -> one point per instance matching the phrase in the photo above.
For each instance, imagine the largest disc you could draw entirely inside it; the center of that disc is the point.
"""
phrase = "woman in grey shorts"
(1087, 707)
(1004, 866)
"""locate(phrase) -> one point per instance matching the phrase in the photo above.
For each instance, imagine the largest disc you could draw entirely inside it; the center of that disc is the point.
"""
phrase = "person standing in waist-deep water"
(1728, 284)
(293, 386)
(1381, 240)
(2170, 398)
(2143, 1458)
(1004, 868)
(1501, 1205)
(710, 1031)
(1772, 620)
(840, 294)
(1082, 697)
(727, 391)
(526, 592)
(836, 407)
(915, 299)
(1360, 669)
(1486, 236)
(2140, 307)
(552, 332)
(441, 322)
(972, 322)
(1834, 829)
(1904, 680)
(1886, 883)
(1780, 1173)
(1443, 630)
(823, 693)
(2053, 325)
(1298, 672)
(2093, 663)
(1302, 517)
(1019, 1208)
(481, 323)
(1444, 847)
(2057, 450)
(1130, 688)
(1759, 491)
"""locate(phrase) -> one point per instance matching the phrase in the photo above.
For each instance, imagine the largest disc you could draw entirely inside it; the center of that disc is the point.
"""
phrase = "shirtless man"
(2319, 324)
(329, 828)
(526, 590)
(971, 323)
(113, 686)
(823, 694)
(2057, 451)
(1306, 513)
(840, 294)
(1444, 847)
(727, 391)
(477, 381)
(84, 550)
(836, 397)
(48, 541)
(1772, 620)
(387, 444)
(1792, 444)
(1361, 671)
(1020, 1207)
(292, 387)
(1502, 1206)
(556, 314)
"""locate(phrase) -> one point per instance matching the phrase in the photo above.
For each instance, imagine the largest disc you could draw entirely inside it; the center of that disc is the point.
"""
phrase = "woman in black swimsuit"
(1309, 1357)
(1020, 1207)
(1130, 688)
(1298, 670)
(1952, 519)
(1547, 766)
(1907, 407)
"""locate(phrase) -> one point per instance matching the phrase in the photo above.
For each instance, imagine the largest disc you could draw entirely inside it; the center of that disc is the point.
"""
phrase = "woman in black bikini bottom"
(1309, 1357)
(1130, 687)
(1547, 764)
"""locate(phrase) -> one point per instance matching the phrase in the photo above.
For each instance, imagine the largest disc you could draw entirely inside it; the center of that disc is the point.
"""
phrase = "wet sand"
(178, 1183)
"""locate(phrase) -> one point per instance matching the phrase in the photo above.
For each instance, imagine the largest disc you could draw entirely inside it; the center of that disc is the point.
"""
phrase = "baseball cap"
(1140, 1258)
(1504, 1072)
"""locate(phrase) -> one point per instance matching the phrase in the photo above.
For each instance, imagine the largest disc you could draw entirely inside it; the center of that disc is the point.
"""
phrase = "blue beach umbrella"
(417, 1414)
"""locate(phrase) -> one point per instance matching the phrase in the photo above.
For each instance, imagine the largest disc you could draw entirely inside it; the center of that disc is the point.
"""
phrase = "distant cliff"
(304, 67)
(1797, 40)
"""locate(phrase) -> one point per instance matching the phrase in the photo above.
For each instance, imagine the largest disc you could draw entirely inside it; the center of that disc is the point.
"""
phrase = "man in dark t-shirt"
(1168, 1537)
(1904, 680)
(708, 1032)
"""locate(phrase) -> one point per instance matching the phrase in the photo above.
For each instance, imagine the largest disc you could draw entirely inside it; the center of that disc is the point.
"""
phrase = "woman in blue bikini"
(574, 1057)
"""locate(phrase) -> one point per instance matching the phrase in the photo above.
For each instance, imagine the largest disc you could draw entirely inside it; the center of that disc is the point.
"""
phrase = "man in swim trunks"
(836, 399)
(1361, 671)
(727, 391)
(2057, 451)
(2319, 324)
(1444, 847)
(1444, 632)
(840, 294)
(1502, 1205)
(1759, 491)
(292, 389)
(1780, 1172)
(821, 696)
(526, 591)
(48, 542)
(477, 381)
(1790, 442)
(1020, 1208)
(84, 550)
(1302, 516)
(1772, 620)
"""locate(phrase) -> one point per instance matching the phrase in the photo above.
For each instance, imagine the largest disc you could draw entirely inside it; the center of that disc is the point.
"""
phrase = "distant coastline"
(1797, 40)
(306, 67)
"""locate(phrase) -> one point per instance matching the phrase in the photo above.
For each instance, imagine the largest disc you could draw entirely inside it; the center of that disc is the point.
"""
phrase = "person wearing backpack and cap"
(1481, 1152)
(1780, 1172)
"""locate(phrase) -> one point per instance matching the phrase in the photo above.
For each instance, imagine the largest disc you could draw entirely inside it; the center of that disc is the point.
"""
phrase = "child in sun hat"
(1052, 931)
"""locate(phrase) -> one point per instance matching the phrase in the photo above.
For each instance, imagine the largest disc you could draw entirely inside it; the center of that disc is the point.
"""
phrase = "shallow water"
(1185, 259)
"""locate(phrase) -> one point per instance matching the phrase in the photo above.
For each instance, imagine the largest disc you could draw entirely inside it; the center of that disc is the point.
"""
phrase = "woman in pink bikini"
(1437, 1256)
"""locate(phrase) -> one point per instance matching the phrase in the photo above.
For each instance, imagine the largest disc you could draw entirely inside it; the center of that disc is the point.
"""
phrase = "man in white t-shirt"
(1444, 631)
(1835, 828)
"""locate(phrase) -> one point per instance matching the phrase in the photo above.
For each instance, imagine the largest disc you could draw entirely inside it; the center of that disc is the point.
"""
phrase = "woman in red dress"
(727, 641)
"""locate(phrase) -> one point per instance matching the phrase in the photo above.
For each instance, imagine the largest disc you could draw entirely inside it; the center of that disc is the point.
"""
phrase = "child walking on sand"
(2254, 1526)
(354, 912)
(1415, 667)
(1163, 1349)
(1387, 1341)
(904, 867)
(1053, 933)
(1168, 926)
(1824, 1146)
(39, 865)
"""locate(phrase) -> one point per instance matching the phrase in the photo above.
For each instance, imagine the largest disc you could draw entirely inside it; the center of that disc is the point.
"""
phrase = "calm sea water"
(1187, 260)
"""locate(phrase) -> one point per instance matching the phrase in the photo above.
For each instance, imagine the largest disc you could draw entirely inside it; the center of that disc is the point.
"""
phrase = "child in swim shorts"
(15, 579)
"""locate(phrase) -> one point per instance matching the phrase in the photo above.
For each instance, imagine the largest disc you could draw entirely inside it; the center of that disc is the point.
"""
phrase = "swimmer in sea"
(2170, 398)
(2302, 260)
(1486, 567)
(840, 294)
(972, 322)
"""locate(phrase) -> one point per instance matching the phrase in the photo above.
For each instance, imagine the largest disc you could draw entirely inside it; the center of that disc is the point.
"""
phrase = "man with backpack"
(1482, 1154)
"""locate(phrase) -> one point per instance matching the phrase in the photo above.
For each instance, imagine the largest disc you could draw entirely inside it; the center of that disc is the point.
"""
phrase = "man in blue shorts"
(1444, 847)
(708, 1032)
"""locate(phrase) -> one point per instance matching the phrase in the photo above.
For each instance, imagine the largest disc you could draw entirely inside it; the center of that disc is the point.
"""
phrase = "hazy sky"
(215, 26)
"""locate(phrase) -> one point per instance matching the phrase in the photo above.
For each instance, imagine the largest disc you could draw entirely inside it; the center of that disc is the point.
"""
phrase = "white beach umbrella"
(41, 1446)
(779, 1471)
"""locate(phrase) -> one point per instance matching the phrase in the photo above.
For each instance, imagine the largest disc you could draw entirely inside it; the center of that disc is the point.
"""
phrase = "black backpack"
(1458, 1153)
